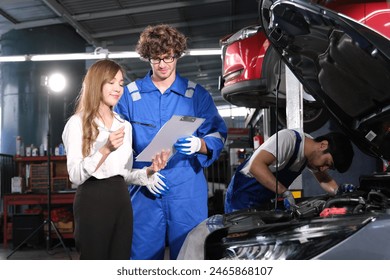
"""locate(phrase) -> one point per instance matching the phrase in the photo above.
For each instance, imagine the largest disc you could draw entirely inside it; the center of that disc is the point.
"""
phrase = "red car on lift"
(250, 67)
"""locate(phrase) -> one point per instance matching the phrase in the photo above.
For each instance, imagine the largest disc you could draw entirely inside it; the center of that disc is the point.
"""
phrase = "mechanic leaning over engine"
(148, 104)
(254, 182)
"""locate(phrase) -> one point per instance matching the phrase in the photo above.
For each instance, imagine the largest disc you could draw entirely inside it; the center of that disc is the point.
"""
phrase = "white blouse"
(118, 162)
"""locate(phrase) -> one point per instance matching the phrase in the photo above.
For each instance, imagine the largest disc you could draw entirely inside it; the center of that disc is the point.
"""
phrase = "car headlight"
(242, 34)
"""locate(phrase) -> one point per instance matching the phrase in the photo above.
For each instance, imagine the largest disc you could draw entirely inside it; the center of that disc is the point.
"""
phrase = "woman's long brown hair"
(88, 101)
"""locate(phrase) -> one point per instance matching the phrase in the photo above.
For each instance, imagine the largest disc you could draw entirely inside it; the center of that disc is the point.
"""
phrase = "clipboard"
(175, 128)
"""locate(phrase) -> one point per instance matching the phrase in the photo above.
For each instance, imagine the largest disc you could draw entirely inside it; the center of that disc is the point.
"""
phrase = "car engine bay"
(314, 226)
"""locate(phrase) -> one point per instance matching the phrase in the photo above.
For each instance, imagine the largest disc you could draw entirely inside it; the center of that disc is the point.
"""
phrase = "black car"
(346, 67)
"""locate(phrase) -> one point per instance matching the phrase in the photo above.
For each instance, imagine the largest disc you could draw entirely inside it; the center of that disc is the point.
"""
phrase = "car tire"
(314, 117)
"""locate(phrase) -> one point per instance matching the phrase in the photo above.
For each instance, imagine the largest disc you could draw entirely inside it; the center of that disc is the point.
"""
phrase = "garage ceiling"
(115, 25)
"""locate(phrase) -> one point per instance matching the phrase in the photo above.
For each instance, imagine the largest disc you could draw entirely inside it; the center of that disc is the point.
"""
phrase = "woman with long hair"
(98, 144)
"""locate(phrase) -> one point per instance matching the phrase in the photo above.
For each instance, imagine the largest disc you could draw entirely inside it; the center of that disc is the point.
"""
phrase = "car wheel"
(314, 117)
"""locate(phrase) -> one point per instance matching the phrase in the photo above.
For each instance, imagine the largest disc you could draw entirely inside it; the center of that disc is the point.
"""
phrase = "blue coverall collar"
(179, 86)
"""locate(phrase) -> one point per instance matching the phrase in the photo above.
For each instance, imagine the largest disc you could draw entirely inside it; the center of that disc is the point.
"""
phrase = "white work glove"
(188, 145)
(157, 185)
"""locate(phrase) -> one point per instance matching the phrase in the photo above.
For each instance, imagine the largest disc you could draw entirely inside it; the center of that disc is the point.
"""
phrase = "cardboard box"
(16, 184)
(63, 227)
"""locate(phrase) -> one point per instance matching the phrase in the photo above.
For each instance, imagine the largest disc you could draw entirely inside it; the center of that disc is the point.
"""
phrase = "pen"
(140, 123)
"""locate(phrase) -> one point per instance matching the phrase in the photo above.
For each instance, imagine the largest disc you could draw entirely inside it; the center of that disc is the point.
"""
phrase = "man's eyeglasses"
(168, 59)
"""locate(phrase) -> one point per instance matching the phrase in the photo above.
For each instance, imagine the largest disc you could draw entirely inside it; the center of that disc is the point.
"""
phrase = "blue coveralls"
(157, 220)
(246, 192)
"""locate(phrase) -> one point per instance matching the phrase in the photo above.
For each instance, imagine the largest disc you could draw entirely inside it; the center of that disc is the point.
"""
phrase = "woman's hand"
(114, 141)
(158, 185)
(159, 162)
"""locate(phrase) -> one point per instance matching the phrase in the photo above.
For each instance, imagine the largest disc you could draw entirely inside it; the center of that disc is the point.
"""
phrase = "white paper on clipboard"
(175, 128)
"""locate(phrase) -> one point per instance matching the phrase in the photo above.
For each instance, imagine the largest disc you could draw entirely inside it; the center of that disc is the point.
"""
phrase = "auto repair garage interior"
(42, 37)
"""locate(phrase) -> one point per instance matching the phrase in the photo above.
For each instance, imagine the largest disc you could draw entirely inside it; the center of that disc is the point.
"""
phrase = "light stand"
(48, 221)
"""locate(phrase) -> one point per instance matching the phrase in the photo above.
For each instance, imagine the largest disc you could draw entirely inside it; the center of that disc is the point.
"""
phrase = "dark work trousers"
(103, 218)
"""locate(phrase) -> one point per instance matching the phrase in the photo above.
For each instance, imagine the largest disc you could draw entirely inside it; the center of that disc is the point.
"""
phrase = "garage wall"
(23, 100)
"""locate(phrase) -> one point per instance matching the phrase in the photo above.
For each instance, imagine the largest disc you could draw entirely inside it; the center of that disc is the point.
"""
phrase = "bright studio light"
(56, 82)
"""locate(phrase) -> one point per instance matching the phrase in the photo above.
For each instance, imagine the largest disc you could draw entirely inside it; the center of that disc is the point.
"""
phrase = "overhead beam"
(177, 25)
(8, 17)
(38, 23)
(62, 12)
(144, 9)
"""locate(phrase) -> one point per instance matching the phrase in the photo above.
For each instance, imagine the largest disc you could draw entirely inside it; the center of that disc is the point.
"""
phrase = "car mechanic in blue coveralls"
(148, 103)
(254, 182)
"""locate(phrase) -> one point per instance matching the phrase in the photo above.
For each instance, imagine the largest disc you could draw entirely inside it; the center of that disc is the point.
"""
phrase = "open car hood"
(345, 66)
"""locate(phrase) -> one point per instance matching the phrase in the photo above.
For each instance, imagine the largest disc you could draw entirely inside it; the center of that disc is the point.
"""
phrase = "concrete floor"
(29, 252)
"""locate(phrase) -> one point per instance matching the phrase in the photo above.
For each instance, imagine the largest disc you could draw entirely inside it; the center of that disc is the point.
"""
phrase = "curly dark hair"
(161, 39)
